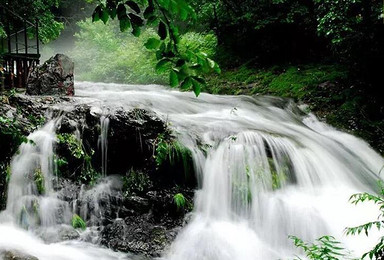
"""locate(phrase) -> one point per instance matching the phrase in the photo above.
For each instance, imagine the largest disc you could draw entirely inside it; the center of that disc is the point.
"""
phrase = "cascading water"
(103, 140)
(267, 172)
(31, 176)
(32, 204)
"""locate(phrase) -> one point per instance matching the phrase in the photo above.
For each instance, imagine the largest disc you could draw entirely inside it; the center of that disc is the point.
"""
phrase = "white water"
(269, 173)
(103, 139)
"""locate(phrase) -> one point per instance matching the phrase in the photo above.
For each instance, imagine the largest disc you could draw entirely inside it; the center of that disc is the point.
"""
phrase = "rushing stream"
(269, 171)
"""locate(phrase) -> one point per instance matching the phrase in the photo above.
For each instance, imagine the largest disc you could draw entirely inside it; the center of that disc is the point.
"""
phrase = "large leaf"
(104, 16)
(173, 79)
(149, 12)
(162, 30)
(121, 11)
(125, 24)
(134, 6)
(136, 20)
(96, 14)
(161, 66)
(187, 83)
(111, 7)
(196, 87)
(152, 43)
(136, 30)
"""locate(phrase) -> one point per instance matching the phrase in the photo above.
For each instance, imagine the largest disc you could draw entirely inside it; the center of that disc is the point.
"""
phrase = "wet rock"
(58, 234)
(67, 190)
(136, 203)
(136, 235)
(54, 77)
(15, 255)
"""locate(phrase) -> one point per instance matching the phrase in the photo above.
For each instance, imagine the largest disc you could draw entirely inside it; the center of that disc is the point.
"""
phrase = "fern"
(171, 151)
(325, 248)
(78, 222)
(180, 201)
(378, 251)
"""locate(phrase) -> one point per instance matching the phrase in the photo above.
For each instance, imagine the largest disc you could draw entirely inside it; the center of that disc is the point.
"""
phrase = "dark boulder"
(54, 77)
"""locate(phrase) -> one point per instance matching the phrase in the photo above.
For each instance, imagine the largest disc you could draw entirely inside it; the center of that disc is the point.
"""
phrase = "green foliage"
(78, 222)
(136, 182)
(36, 121)
(49, 27)
(293, 81)
(2, 32)
(378, 200)
(74, 145)
(8, 173)
(105, 54)
(77, 150)
(171, 151)
(39, 181)
(187, 66)
(11, 128)
(180, 201)
(60, 163)
(325, 248)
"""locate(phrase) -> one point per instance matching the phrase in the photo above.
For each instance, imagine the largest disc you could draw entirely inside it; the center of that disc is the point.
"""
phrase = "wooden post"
(17, 43)
(25, 69)
(25, 36)
(37, 37)
(9, 38)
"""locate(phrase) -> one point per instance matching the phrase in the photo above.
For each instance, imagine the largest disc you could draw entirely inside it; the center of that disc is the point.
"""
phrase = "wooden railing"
(19, 54)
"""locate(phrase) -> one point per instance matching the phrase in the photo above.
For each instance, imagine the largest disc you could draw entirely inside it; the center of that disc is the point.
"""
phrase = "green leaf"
(121, 12)
(162, 30)
(112, 13)
(183, 14)
(104, 16)
(152, 43)
(78, 222)
(125, 24)
(200, 80)
(152, 20)
(96, 14)
(161, 65)
(187, 83)
(149, 12)
(134, 6)
(211, 63)
(111, 7)
(173, 79)
(196, 87)
(136, 30)
(164, 3)
(136, 20)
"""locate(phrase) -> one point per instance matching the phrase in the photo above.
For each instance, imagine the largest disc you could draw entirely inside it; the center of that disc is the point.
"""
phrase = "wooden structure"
(20, 49)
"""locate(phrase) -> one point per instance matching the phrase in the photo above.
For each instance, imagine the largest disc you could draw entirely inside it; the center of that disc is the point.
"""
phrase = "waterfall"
(31, 200)
(270, 171)
(267, 171)
(104, 124)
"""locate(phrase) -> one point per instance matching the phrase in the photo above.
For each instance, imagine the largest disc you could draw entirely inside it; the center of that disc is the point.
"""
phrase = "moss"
(287, 81)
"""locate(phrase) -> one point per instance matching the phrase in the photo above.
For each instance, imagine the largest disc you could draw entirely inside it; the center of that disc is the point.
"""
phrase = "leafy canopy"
(32, 10)
(185, 67)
